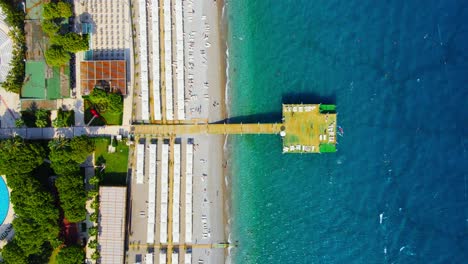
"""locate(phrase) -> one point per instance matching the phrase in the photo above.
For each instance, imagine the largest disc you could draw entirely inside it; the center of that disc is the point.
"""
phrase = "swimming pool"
(4, 200)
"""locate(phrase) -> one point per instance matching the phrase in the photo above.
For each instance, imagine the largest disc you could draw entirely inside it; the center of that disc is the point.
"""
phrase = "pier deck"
(187, 129)
(306, 128)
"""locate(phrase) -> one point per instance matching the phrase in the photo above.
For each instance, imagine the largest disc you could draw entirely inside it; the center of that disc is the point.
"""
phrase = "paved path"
(67, 132)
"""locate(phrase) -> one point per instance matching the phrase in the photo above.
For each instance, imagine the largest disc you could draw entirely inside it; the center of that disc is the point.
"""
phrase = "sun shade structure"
(107, 75)
(112, 224)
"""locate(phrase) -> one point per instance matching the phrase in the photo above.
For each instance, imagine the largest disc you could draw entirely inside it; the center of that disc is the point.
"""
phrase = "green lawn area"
(107, 118)
(116, 163)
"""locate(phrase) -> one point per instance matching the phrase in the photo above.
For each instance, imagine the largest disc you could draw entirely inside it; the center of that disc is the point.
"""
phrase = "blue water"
(398, 71)
(4, 200)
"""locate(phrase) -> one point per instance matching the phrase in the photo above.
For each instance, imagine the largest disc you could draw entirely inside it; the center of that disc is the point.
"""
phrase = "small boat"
(340, 131)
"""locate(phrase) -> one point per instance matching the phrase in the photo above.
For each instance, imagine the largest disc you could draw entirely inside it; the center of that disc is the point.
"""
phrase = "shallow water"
(396, 190)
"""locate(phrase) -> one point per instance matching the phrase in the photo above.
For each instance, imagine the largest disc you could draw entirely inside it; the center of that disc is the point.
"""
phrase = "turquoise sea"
(396, 190)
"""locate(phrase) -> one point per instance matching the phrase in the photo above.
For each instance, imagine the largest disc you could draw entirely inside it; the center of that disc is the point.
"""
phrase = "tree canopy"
(36, 221)
(106, 101)
(13, 254)
(71, 41)
(67, 154)
(15, 19)
(19, 156)
(42, 118)
(72, 197)
(56, 56)
(71, 255)
(64, 118)
(50, 27)
(57, 10)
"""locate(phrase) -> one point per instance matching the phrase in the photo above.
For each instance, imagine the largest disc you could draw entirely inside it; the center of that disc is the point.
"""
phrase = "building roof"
(111, 234)
(34, 9)
(106, 74)
(44, 82)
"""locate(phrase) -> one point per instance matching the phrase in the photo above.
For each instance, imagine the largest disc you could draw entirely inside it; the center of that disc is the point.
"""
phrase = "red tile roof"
(103, 73)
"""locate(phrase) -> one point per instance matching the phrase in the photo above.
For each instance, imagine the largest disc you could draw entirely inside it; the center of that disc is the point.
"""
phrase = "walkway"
(223, 129)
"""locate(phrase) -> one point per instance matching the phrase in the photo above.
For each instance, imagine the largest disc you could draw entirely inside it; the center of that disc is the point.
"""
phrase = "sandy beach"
(205, 80)
(204, 28)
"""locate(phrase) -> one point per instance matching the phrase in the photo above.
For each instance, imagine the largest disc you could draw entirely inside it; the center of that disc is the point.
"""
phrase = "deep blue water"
(398, 71)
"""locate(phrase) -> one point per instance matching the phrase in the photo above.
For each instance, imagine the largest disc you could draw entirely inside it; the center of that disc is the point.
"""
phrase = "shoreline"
(223, 78)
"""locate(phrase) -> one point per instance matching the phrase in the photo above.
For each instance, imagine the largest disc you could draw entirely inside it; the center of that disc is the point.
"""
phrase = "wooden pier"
(305, 128)
(220, 129)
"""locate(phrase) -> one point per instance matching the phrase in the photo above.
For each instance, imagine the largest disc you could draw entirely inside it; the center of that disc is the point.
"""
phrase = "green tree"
(71, 42)
(13, 254)
(42, 118)
(66, 155)
(95, 255)
(18, 156)
(71, 255)
(50, 27)
(72, 197)
(55, 55)
(81, 148)
(93, 244)
(106, 101)
(64, 118)
(94, 180)
(19, 123)
(92, 231)
(59, 10)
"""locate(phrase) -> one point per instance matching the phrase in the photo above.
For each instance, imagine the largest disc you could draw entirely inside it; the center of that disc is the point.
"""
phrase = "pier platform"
(305, 128)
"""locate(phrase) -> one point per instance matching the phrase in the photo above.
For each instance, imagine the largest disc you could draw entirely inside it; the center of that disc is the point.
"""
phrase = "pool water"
(4, 200)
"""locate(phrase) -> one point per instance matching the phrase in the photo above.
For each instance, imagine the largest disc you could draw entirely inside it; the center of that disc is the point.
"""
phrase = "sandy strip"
(205, 93)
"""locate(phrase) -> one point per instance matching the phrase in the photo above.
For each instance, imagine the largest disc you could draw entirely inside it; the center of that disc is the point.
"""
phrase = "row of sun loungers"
(168, 59)
(155, 59)
(149, 258)
(140, 163)
(176, 196)
(299, 108)
(164, 192)
(142, 47)
(188, 193)
(151, 194)
(180, 60)
(299, 148)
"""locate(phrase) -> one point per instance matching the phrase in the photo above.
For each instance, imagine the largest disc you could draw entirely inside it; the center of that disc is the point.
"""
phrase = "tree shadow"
(100, 160)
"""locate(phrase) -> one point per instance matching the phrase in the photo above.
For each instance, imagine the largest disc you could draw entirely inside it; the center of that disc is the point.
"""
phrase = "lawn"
(116, 163)
(106, 118)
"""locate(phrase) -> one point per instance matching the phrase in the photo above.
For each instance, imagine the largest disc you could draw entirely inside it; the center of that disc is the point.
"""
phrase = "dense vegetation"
(57, 10)
(104, 101)
(64, 118)
(67, 154)
(71, 255)
(18, 156)
(15, 20)
(37, 216)
(62, 43)
(72, 196)
(109, 106)
(36, 223)
(57, 56)
(34, 118)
